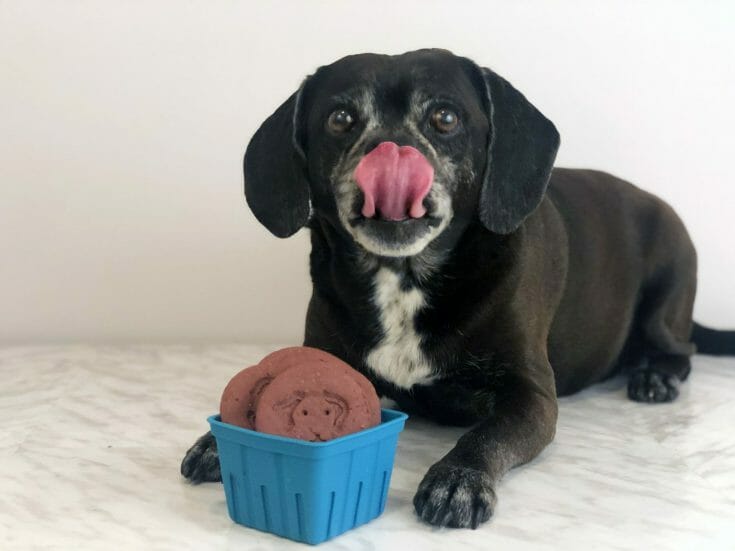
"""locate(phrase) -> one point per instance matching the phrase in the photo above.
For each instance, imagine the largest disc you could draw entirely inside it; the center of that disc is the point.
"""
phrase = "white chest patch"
(398, 357)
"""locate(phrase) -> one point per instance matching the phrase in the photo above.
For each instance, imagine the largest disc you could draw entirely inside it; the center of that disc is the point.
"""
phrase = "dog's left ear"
(521, 151)
(276, 180)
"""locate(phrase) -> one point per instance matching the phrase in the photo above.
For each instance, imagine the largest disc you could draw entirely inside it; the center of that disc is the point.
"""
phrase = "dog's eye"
(340, 121)
(444, 120)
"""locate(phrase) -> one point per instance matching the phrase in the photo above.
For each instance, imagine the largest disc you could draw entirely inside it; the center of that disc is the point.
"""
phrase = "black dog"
(478, 300)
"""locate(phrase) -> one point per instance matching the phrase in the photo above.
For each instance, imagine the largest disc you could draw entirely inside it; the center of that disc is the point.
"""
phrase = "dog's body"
(579, 268)
(515, 286)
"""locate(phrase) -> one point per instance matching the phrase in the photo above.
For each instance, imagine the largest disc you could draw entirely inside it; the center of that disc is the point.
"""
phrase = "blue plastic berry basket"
(307, 491)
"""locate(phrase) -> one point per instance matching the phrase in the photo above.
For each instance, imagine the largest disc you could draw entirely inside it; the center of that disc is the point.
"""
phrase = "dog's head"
(394, 149)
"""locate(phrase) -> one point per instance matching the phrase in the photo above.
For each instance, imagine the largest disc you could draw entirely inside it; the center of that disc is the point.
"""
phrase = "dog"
(467, 278)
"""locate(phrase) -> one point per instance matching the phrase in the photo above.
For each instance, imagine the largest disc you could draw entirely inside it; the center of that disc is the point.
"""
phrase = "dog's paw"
(649, 385)
(201, 462)
(455, 496)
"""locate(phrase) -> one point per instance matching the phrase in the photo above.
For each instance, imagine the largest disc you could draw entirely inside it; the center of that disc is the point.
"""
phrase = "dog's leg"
(666, 320)
(201, 462)
(459, 490)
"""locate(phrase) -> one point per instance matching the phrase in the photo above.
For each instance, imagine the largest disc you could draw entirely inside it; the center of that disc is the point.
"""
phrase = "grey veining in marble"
(92, 437)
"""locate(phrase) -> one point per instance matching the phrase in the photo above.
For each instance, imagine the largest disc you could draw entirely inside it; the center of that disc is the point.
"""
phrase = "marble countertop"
(92, 437)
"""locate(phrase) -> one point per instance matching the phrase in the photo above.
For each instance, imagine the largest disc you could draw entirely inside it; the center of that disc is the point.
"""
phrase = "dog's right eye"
(340, 121)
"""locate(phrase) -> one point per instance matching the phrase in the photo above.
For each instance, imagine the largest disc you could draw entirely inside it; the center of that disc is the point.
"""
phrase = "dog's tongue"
(395, 181)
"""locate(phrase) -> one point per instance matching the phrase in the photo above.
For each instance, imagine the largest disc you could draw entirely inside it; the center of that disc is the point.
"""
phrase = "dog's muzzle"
(394, 181)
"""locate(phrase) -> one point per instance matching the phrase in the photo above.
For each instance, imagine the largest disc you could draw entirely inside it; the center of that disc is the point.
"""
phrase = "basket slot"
(264, 498)
(299, 516)
(329, 517)
(382, 492)
(235, 500)
(357, 504)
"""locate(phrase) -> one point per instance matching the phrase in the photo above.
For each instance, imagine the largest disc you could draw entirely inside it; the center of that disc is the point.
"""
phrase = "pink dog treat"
(295, 355)
(240, 397)
(301, 355)
(239, 402)
(316, 401)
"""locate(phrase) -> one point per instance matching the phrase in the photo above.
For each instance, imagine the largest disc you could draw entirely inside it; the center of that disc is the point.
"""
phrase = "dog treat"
(299, 355)
(340, 399)
(316, 401)
(240, 397)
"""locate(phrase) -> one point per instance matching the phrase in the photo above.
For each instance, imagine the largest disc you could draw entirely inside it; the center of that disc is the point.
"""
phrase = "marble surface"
(92, 437)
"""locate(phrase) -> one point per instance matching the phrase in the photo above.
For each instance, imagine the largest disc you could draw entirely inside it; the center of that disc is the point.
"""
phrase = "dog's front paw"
(455, 496)
(201, 462)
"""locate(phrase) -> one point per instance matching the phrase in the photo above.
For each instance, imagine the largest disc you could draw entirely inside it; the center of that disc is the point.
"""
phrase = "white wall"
(122, 126)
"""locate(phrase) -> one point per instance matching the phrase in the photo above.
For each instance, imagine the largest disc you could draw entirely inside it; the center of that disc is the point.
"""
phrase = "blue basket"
(307, 491)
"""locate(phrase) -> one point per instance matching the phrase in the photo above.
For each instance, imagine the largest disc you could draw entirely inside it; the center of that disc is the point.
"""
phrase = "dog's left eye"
(444, 120)
(340, 121)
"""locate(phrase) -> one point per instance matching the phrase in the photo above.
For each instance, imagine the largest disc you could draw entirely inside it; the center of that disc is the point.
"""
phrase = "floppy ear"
(521, 152)
(276, 182)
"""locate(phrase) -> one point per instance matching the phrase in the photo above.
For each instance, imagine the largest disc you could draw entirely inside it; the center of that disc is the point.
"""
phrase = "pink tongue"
(395, 181)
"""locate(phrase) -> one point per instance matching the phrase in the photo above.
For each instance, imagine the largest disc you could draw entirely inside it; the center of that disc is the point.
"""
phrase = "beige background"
(122, 127)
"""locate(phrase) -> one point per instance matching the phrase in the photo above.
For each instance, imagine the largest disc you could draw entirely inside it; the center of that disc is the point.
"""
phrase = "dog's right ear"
(276, 180)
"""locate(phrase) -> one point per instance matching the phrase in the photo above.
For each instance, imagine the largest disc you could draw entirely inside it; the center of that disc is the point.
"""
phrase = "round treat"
(369, 391)
(298, 355)
(240, 397)
(295, 355)
(315, 401)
